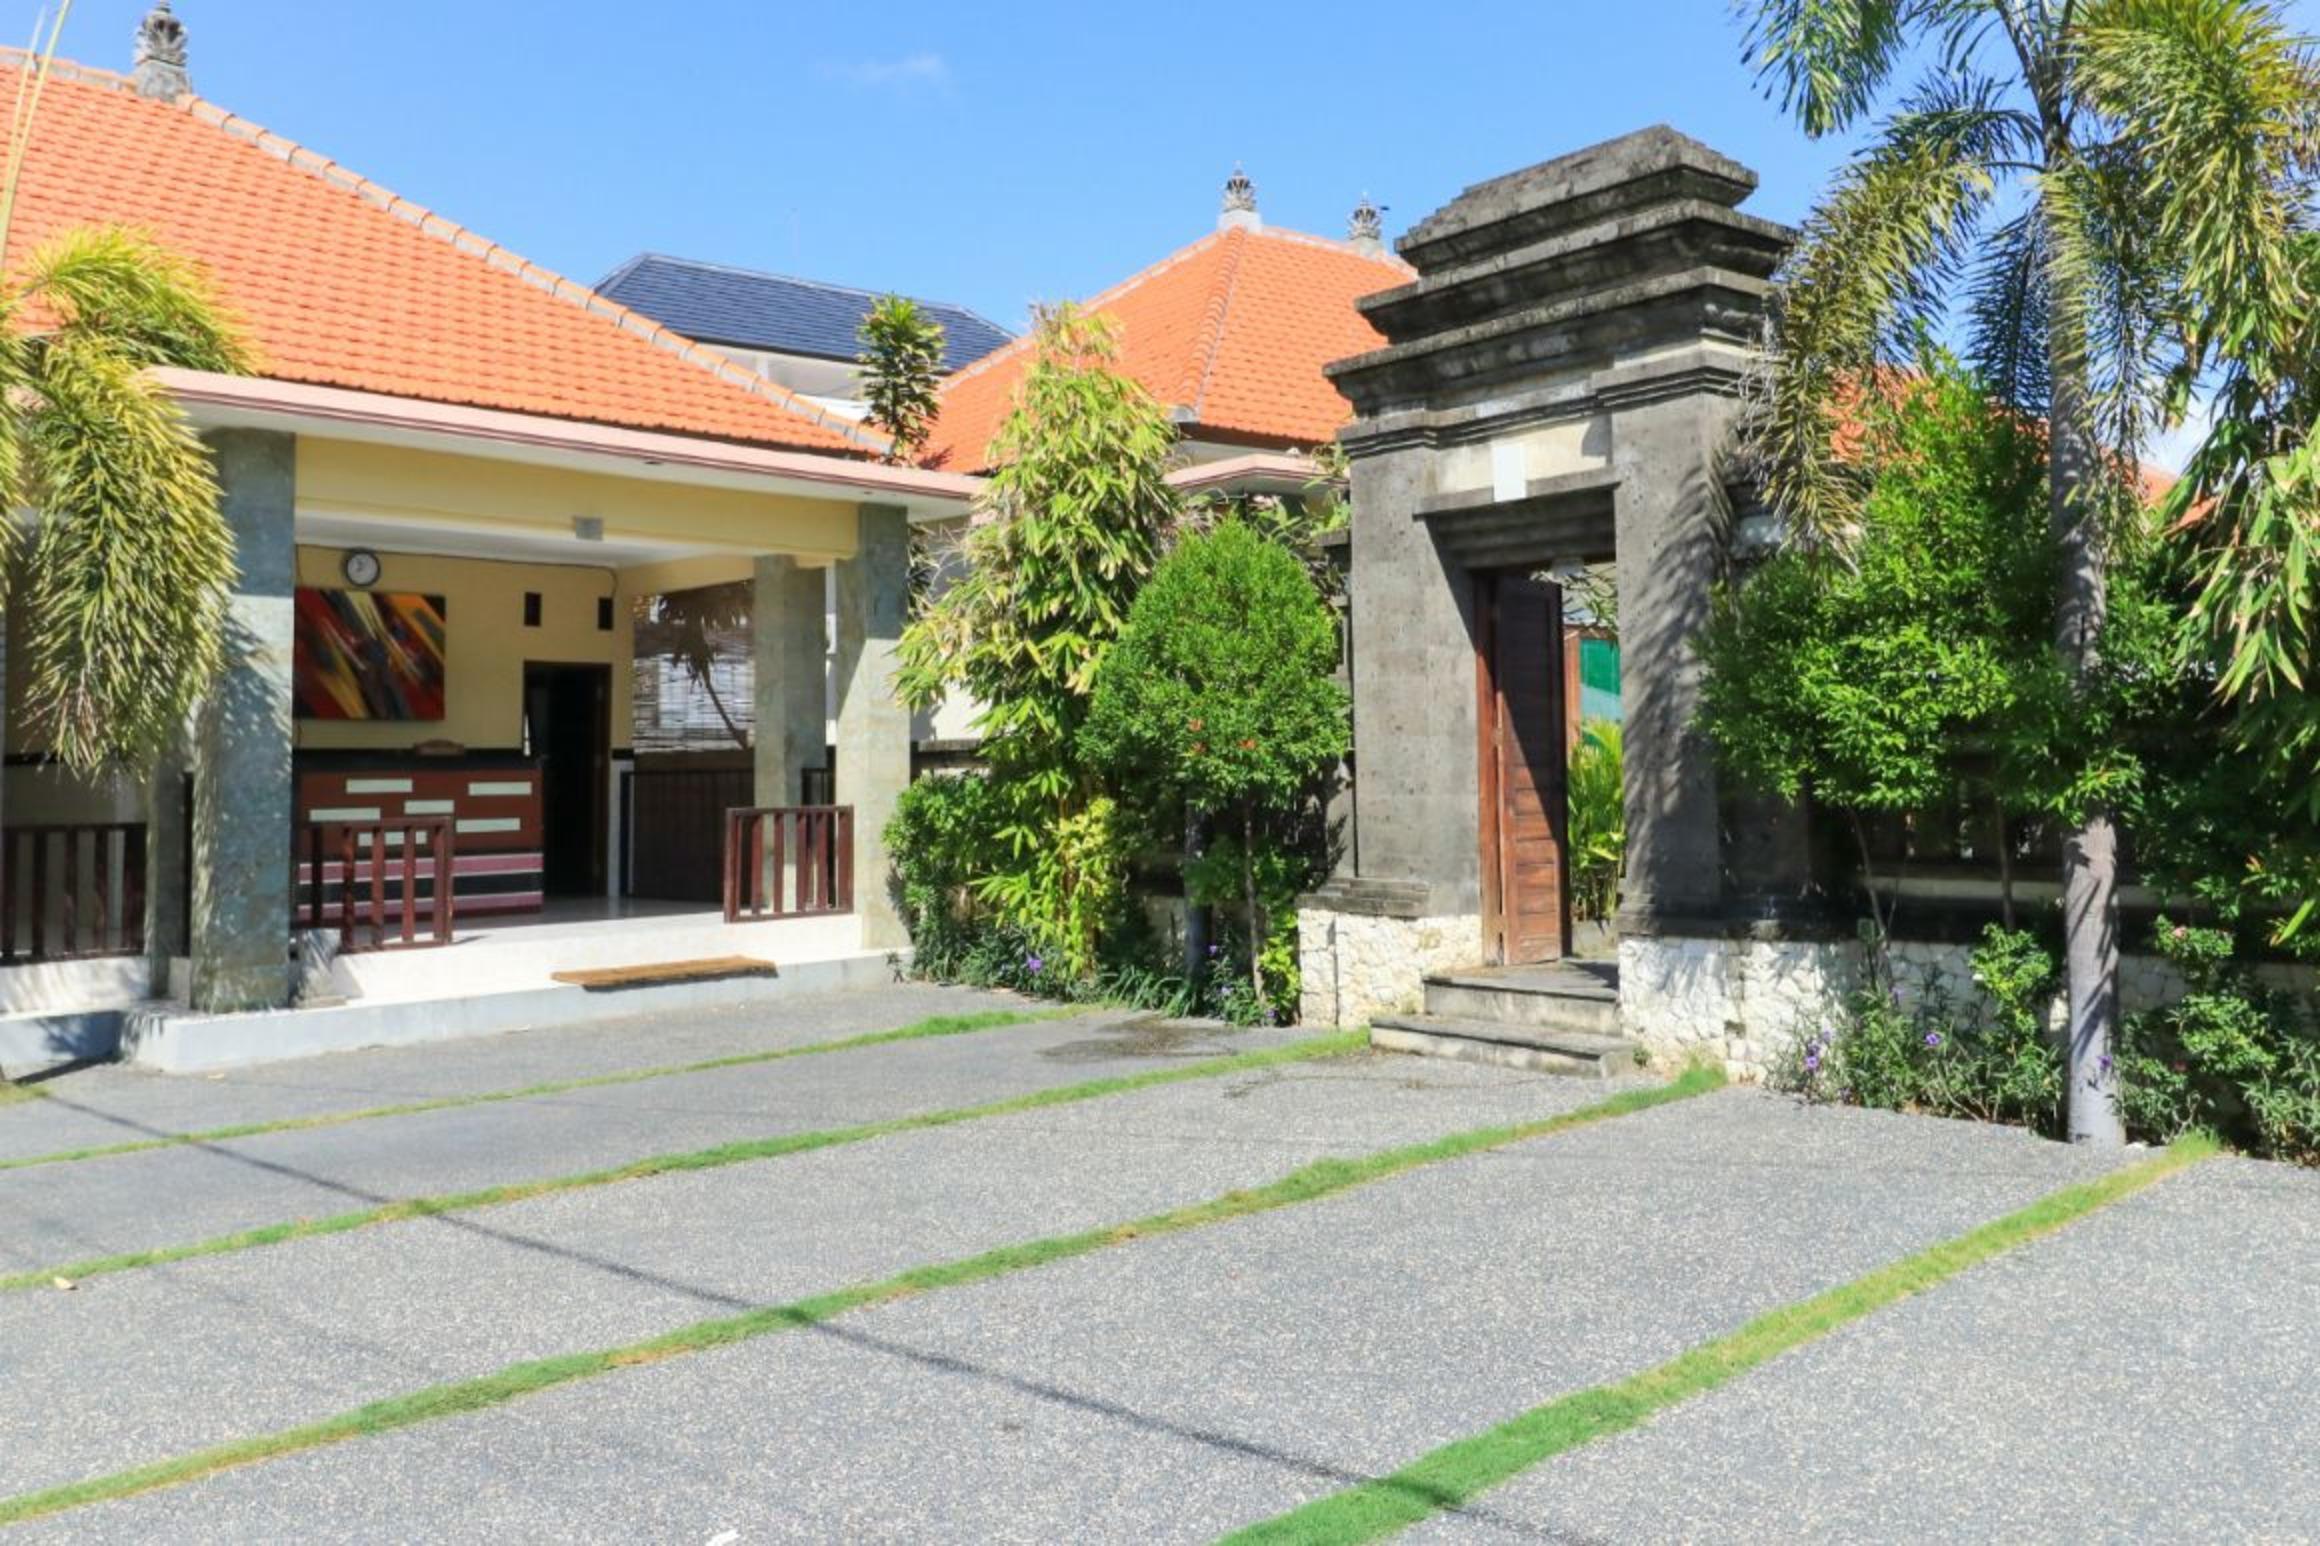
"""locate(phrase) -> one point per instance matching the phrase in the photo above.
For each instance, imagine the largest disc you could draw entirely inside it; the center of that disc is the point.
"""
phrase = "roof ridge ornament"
(159, 71)
(1240, 203)
(1366, 231)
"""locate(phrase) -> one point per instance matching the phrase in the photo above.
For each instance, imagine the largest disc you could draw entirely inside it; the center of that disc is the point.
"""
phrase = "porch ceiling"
(451, 539)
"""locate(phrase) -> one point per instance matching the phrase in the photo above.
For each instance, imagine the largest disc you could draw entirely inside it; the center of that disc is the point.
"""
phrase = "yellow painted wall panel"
(344, 477)
(486, 644)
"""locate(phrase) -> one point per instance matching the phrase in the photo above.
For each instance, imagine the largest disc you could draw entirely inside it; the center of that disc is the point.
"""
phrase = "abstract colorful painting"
(369, 654)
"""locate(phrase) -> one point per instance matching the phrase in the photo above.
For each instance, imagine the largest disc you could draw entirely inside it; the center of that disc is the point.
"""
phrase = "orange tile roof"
(1231, 331)
(340, 283)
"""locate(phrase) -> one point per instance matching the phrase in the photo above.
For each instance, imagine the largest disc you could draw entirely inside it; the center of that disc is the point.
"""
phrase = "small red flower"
(1248, 745)
(1197, 724)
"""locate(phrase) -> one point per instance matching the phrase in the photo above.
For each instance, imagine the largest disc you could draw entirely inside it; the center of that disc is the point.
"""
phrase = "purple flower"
(1035, 964)
(1812, 1062)
(1212, 950)
(2106, 1062)
(1933, 1038)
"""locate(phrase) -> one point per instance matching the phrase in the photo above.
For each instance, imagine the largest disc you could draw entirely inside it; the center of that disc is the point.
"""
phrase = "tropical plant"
(2111, 188)
(1222, 689)
(2247, 511)
(901, 362)
(1596, 798)
(1067, 528)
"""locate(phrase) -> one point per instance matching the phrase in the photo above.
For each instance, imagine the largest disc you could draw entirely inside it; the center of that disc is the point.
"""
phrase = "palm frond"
(2101, 251)
(2006, 314)
(146, 302)
(131, 566)
(2217, 104)
(1869, 274)
(1826, 60)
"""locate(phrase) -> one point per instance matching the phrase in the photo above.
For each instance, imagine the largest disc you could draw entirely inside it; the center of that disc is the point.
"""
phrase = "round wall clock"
(361, 567)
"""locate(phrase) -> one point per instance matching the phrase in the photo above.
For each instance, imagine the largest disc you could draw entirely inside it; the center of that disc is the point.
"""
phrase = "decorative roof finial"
(160, 67)
(1366, 233)
(1240, 203)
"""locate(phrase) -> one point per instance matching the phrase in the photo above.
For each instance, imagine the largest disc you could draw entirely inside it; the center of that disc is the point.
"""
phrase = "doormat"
(611, 979)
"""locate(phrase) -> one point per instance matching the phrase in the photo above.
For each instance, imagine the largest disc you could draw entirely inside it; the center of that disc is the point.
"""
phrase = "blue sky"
(991, 155)
(985, 154)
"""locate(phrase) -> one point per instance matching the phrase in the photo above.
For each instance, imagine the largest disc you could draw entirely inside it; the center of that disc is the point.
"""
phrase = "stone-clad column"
(792, 669)
(1416, 814)
(1671, 516)
(873, 726)
(166, 873)
(242, 781)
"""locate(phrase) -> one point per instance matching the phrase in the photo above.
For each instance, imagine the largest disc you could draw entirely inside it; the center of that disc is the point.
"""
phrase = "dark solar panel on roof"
(713, 303)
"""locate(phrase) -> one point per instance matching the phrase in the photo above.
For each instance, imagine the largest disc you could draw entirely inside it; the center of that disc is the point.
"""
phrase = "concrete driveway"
(2144, 1372)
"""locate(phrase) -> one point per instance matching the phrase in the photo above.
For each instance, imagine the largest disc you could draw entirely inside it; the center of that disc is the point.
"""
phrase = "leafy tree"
(2110, 186)
(1068, 526)
(1915, 666)
(901, 360)
(1222, 689)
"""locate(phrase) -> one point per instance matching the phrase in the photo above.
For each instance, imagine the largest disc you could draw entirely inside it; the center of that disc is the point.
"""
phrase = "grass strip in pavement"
(917, 1030)
(742, 1152)
(1308, 1183)
(1455, 1474)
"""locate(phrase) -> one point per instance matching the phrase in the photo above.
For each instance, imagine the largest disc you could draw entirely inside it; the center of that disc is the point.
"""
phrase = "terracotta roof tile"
(341, 283)
(1232, 331)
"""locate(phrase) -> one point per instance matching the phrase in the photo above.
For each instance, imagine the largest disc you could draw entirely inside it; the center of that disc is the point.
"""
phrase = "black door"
(567, 726)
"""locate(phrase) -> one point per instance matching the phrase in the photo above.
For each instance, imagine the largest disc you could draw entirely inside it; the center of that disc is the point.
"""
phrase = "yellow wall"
(344, 477)
(486, 644)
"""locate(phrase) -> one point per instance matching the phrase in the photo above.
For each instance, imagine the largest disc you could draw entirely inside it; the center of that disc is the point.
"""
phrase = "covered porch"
(417, 783)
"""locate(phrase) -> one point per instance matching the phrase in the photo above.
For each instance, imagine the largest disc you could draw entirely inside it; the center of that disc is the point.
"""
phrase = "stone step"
(1558, 996)
(1540, 1049)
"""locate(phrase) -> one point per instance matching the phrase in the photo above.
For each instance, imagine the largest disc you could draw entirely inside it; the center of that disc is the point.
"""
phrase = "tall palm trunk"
(2090, 866)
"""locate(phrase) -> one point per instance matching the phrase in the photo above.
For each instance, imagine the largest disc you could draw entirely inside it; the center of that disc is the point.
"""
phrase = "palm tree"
(130, 559)
(2109, 188)
(122, 578)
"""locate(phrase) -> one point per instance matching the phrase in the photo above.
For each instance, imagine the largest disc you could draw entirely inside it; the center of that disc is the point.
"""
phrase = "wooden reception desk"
(491, 799)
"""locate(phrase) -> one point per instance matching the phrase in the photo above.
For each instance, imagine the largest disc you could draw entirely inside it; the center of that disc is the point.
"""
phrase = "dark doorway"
(1526, 900)
(567, 726)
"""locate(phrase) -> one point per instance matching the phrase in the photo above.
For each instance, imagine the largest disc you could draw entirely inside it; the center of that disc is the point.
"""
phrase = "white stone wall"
(1739, 1003)
(1745, 1003)
(1358, 965)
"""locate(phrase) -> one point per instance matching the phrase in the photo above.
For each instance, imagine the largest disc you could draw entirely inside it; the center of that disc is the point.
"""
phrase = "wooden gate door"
(1526, 906)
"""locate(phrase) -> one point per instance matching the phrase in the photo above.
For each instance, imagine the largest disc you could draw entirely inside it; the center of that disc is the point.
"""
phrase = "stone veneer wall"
(1356, 965)
(1736, 1002)
(1745, 1003)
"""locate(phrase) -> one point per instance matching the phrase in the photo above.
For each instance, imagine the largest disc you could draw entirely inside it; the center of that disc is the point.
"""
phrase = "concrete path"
(2152, 1374)
(1175, 1388)
(51, 1215)
(114, 1103)
(145, 1365)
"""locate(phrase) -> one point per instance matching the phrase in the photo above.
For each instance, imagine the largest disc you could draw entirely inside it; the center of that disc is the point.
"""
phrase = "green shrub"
(942, 837)
(1991, 1062)
(1221, 693)
(2232, 1056)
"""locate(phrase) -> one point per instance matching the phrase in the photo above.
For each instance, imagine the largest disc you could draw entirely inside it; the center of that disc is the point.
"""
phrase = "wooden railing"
(72, 891)
(364, 857)
(788, 861)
